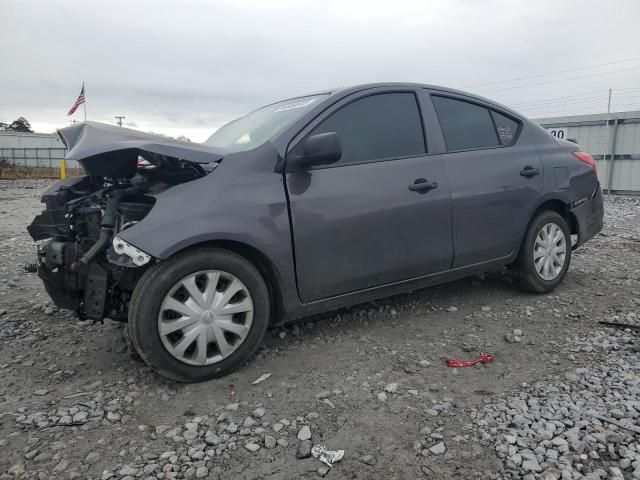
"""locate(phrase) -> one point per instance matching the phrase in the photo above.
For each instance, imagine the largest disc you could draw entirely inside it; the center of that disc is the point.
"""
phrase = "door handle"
(422, 185)
(529, 171)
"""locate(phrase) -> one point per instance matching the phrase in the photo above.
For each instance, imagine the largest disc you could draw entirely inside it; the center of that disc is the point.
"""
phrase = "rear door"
(356, 223)
(495, 180)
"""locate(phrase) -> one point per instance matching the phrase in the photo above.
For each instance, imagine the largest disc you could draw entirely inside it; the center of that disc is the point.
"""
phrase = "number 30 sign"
(560, 133)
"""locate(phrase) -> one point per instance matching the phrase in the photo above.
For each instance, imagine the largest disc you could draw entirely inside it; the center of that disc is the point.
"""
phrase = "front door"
(382, 213)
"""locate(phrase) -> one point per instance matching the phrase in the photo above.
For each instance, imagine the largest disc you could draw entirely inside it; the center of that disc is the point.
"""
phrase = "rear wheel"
(199, 315)
(545, 253)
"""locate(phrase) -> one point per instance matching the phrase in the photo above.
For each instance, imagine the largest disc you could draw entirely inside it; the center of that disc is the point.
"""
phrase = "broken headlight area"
(83, 265)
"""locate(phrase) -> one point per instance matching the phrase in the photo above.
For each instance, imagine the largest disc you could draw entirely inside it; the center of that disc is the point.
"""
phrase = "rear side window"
(507, 128)
(465, 125)
(377, 127)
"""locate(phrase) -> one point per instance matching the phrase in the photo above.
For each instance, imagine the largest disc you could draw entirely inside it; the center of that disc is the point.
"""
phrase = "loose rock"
(304, 449)
(304, 433)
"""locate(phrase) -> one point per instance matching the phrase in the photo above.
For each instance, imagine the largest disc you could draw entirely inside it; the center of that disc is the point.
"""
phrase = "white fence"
(33, 150)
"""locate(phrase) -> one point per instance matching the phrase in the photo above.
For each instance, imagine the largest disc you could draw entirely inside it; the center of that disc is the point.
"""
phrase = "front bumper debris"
(61, 284)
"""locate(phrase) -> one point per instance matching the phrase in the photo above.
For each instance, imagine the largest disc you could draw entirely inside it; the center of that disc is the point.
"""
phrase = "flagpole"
(85, 102)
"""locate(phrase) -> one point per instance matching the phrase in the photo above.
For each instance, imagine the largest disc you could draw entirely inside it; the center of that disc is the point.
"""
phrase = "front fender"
(243, 200)
(172, 244)
(178, 223)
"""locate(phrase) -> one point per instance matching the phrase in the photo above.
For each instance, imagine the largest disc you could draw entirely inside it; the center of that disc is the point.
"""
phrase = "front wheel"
(545, 253)
(199, 315)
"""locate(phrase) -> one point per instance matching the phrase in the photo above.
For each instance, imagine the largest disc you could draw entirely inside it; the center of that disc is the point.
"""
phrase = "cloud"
(191, 66)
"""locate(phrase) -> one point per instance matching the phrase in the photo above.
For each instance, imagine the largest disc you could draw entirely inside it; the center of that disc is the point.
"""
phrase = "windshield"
(261, 125)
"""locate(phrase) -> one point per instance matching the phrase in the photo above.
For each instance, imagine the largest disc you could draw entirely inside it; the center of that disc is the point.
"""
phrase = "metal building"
(613, 139)
(32, 149)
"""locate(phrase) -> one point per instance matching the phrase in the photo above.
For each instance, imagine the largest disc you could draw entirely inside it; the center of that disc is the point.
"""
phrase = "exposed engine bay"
(78, 261)
(85, 267)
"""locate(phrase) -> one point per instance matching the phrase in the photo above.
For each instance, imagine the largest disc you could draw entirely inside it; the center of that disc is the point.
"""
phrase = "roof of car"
(345, 90)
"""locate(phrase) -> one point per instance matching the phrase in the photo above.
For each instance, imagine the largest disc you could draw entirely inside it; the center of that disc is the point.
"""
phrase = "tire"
(172, 283)
(526, 269)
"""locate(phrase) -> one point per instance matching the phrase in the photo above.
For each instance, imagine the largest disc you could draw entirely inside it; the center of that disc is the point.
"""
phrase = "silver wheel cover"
(205, 317)
(549, 251)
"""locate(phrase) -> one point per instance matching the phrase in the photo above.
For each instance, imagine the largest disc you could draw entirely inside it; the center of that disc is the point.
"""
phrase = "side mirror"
(318, 149)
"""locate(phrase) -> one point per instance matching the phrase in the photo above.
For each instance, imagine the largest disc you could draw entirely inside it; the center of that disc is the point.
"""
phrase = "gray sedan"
(303, 206)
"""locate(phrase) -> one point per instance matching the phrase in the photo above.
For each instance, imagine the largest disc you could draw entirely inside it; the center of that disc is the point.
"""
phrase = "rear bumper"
(589, 216)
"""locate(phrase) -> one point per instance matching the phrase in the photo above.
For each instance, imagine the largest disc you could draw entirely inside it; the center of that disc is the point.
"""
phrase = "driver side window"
(377, 127)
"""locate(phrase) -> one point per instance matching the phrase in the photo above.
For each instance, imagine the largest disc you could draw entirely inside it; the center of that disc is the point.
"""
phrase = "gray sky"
(188, 67)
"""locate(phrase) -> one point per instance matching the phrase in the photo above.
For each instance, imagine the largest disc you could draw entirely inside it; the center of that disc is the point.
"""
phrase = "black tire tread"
(152, 275)
(524, 273)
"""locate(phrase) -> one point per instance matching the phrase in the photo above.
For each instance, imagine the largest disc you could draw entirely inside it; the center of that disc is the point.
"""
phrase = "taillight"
(586, 158)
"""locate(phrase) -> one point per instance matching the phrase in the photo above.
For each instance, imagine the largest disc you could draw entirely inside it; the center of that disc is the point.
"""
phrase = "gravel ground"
(560, 400)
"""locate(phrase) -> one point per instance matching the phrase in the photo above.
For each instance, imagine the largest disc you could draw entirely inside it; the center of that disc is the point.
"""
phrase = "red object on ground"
(458, 362)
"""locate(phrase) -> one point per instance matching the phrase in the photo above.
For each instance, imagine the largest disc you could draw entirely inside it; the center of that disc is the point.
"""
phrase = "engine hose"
(108, 223)
(101, 244)
(111, 209)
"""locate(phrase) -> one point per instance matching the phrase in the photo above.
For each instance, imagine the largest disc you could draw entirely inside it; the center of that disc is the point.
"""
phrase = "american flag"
(79, 102)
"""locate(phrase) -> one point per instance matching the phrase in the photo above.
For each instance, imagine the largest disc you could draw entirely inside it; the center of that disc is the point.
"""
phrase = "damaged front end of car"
(83, 263)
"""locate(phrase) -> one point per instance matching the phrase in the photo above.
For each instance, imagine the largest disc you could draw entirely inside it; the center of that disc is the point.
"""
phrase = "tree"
(19, 125)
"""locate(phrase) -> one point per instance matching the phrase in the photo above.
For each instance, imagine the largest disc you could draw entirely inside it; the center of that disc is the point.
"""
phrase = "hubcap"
(549, 251)
(205, 317)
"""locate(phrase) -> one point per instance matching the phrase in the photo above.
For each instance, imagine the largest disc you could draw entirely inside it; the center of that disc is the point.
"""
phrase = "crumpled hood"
(110, 151)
